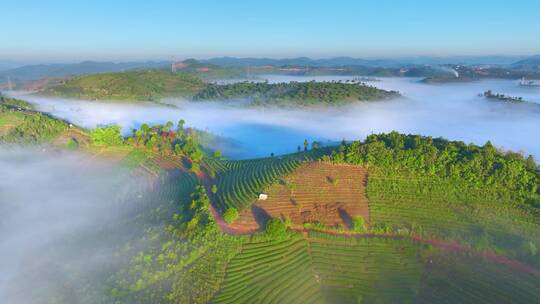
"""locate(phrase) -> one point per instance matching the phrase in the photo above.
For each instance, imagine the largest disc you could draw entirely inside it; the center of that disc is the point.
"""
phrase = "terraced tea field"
(458, 278)
(327, 269)
(449, 211)
(240, 182)
(9, 119)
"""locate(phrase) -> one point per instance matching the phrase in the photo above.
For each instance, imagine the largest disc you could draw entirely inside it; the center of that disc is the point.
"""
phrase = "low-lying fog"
(52, 205)
(453, 111)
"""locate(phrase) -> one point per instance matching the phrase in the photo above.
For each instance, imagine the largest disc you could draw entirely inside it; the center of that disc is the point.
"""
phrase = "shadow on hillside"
(260, 215)
(345, 217)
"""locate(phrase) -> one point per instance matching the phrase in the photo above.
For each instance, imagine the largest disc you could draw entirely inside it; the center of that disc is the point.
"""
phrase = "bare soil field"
(317, 192)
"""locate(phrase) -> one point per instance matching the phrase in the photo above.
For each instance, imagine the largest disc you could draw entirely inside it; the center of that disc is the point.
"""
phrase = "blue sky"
(134, 30)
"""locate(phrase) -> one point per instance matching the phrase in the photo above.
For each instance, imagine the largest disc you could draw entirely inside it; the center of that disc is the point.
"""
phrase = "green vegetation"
(172, 250)
(359, 225)
(276, 229)
(449, 190)
(240, 182)
(230, 215)
(136, 85)
(166, 141)
(295, 93)
(328, 269)
(16, 103)
(106, 136)
(9, 118)
(34, 128)
(72, 144)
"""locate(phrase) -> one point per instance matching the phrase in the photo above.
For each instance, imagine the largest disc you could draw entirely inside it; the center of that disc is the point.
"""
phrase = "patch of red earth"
(316, 192)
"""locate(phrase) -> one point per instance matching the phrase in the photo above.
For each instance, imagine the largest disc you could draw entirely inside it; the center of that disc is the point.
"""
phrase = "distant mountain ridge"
(532, 62)
(348, 61)
(40, 71)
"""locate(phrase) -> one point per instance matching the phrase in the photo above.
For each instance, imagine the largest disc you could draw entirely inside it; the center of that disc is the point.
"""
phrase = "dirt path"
(441, 244)
(223, 226)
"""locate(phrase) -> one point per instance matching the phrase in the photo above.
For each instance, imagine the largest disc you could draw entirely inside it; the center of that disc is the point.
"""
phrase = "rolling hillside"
(392, 219)
(138, 85)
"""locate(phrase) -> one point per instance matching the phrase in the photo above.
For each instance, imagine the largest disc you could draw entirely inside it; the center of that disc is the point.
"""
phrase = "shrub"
(230, 215)
(214, 189)
(195, 167)
(106, 136)
(217, 154)
(72, 144)
(359, 225)
(276, 228)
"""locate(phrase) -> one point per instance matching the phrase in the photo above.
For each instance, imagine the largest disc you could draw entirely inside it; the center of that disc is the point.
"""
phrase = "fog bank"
(454, 111)
(53, 206)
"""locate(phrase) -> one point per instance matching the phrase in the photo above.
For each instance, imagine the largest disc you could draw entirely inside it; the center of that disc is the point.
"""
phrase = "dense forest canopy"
(300, 93)
(480, 166)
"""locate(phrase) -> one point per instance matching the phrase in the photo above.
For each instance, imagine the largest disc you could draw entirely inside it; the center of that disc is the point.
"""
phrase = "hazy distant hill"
(528, 63)
(347, 61)
(34, 72)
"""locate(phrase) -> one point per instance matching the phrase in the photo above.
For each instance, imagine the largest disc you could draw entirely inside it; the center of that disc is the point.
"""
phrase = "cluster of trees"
(16, 103)
(167, 140)
(502, 97)
(106, 136)
(396, 154)
(302, 93)
(276, 228)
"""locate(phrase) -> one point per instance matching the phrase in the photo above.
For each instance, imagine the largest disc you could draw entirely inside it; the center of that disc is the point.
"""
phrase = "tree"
(145, 128)
(180, 128)
(214, 189)
(106, 136)
(168, 125)
(230, 215)
(217, 154)
(276, 228)
(306, 144)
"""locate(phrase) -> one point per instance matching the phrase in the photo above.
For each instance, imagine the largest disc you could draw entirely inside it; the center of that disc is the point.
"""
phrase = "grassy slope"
(139, 85)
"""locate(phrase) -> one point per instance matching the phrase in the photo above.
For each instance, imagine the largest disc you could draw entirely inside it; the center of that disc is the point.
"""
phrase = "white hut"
(263, 196)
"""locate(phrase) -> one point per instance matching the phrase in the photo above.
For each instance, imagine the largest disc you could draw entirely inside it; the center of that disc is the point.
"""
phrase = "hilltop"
(137, 85)
(295, 93)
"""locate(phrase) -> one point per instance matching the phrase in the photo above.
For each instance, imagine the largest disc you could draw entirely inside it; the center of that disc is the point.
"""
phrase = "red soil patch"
(72, 133)
(316, 192)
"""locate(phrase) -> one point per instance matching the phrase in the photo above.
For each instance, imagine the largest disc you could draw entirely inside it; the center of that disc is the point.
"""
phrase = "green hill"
(448, 222)
(295, 93)
(138, 85)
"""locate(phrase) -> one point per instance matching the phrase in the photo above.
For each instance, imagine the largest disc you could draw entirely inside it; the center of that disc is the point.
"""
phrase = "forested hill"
(297, 93)
(149, 85)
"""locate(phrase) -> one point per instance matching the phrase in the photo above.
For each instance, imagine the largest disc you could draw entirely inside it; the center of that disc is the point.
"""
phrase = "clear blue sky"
(125, 30)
